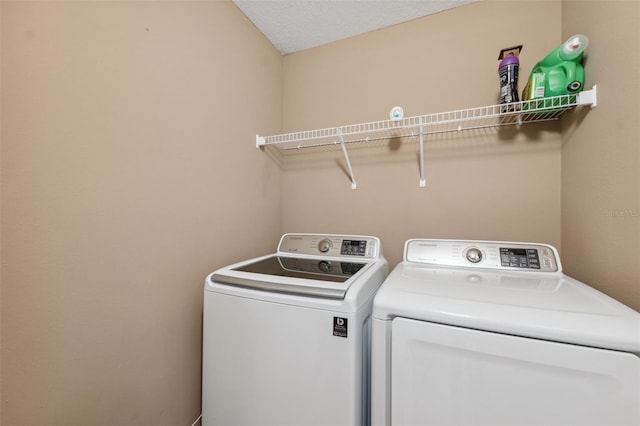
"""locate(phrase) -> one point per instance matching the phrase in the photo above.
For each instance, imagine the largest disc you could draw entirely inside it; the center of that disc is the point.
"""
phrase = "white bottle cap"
(575, 45)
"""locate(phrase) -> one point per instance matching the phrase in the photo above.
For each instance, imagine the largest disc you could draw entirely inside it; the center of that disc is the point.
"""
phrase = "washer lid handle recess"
(270, 286)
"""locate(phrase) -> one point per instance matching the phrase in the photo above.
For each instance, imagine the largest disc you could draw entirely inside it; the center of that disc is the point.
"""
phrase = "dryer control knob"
(325, 245)
(474, 255)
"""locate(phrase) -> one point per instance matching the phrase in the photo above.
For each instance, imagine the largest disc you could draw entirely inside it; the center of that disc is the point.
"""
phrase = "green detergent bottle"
(559, 73)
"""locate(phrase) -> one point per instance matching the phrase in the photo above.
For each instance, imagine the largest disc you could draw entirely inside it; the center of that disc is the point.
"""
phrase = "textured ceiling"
(294, 25)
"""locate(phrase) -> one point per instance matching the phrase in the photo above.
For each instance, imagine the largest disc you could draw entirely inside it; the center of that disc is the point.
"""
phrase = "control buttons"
(519, 257)
(325, 245)
(474, 255)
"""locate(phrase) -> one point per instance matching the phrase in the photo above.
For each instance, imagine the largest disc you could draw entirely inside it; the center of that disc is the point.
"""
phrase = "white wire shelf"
(516, 113)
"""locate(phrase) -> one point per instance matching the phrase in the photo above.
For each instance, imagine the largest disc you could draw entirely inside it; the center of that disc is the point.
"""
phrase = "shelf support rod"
(423, 182)
(346, 159)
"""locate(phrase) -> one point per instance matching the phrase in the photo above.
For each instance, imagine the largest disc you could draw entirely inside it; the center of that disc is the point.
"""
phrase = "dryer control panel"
(358, 246)
(484, 254)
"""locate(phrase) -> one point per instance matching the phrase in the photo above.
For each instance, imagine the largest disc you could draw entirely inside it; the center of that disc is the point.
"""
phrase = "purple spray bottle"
(508, 71)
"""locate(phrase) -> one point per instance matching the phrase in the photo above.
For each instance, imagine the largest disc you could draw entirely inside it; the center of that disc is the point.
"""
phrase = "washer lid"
(317, 277)
(533, 304)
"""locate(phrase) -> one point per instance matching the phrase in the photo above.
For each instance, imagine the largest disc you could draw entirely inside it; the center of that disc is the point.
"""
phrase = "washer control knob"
(474, 255)
(325, 245)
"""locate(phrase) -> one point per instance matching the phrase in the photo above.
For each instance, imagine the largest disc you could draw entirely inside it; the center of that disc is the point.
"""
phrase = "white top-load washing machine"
(286, 336)
(493, 333)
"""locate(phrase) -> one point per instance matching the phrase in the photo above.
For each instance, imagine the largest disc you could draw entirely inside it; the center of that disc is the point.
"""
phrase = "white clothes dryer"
(286, 337)
(493, 333)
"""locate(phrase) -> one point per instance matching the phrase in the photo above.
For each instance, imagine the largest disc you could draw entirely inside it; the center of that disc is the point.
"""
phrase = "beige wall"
(491, 184)
(129, 172)
(601, 153)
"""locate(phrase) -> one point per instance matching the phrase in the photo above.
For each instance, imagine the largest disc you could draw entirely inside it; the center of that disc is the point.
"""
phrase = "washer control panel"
(484, 254)
(331, 245)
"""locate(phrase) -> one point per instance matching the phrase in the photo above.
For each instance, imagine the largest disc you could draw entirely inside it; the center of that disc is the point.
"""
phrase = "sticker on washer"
(340, 326)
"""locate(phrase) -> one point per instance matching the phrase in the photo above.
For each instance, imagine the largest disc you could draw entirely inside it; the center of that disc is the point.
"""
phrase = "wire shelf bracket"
(423, 181)
(354, 185)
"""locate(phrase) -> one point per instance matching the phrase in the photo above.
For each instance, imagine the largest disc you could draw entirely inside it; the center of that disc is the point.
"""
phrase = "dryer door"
(445, 375)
